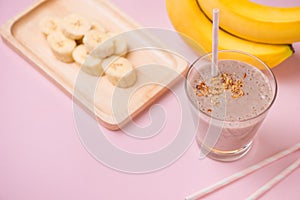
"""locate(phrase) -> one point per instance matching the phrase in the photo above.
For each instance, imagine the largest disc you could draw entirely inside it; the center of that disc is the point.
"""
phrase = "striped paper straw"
(215, 42)
(242, 173)
(283, 174)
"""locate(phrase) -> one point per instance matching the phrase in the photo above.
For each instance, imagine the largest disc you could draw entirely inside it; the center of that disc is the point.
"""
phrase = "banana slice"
(97, 43)
(61, 46)
(80, 54)
(97, 26)
(121, 48)
(93, 38)
(75, 26)
(93, 66)
(49, 25)
(104, 50)
(119, 71)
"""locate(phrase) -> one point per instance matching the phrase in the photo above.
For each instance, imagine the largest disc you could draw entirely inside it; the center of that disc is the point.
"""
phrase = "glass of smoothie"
(229, 108)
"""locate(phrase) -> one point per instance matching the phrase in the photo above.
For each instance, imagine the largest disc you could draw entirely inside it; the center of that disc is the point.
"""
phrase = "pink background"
(41, 156)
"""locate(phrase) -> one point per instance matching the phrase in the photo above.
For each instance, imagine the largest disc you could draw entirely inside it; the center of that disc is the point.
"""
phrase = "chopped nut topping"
(236, 91)
(227, 82)
(239, 83)
(202, 89)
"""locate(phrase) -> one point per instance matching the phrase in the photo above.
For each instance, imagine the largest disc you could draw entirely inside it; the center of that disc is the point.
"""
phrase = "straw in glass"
(215, 41)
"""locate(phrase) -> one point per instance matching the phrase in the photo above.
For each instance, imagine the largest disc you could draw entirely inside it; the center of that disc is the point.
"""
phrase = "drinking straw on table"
(283, 174)
(242, 173)
(215, 40)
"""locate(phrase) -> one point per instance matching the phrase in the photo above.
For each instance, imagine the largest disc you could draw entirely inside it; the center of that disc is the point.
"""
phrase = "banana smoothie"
(232, 107)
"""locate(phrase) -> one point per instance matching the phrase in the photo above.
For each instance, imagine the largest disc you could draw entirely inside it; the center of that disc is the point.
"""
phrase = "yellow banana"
(187, 18)
(256, 22)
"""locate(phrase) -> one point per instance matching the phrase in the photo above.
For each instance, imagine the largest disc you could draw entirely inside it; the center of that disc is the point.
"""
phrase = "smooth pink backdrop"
(41, 156)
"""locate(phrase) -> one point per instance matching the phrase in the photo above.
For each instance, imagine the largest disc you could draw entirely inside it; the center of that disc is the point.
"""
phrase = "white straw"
(215, 41)
(283, 174)
(242, 173)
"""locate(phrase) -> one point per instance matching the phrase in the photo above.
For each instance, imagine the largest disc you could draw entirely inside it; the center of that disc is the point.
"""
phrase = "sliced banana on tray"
(119, 71)
(97, 26)
(80, 54)
(104, 50)
(91, 46)
(121, 48)
(75, 26)
(98, 44)
(93, 66)
(49, 25)
(61, 46)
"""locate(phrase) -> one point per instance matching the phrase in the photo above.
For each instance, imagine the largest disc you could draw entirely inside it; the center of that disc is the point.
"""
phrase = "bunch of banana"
(256, 22)
(188, 18)
(74, 38)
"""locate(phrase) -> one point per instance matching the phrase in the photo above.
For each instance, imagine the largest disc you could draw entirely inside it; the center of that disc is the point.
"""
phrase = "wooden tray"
(23, 34)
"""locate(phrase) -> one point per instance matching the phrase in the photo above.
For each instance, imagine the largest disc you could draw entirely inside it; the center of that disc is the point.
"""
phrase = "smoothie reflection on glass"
(229, 108)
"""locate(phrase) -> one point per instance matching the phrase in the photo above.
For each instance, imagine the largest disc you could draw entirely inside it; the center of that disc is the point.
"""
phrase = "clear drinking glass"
(228, 109)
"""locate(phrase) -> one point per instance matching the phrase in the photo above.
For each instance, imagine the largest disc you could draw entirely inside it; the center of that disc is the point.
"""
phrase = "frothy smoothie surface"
(243, 90)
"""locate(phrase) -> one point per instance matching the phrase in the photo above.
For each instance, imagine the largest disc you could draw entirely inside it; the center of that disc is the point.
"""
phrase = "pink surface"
(41, 156)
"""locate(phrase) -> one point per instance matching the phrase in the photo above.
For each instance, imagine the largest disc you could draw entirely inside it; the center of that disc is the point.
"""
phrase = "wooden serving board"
(23, 34)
